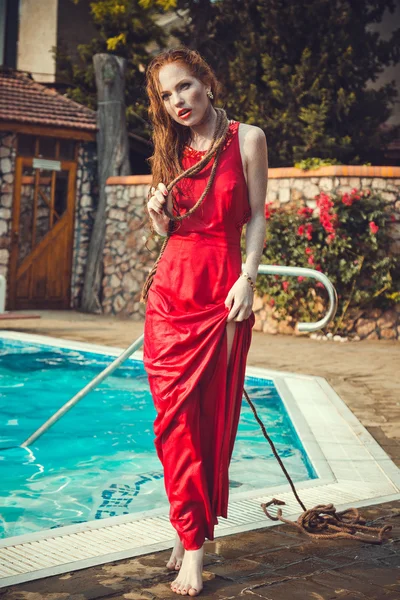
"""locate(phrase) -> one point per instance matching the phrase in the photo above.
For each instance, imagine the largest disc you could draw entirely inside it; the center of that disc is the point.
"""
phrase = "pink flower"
(326, 223)
(300, 230)
(272, 302)
(347, 200)
(276, 276)
(300, 278)
(308, 250)
(355, 194)
(330, 238)
(310, 260)
(327, 218)
(309, 230)
(373, 227)
(268, 211)
(305, 211)
(285, 285)
(319, 284)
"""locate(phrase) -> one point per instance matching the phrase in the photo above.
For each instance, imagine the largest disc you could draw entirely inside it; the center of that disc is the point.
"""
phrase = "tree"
(125, 28)
(112, 152)
(299, 70)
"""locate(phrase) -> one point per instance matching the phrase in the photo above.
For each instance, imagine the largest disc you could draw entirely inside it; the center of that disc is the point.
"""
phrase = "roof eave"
(48, 130)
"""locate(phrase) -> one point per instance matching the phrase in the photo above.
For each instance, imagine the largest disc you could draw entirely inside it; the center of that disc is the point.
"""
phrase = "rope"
(215, 149)
(322, 521)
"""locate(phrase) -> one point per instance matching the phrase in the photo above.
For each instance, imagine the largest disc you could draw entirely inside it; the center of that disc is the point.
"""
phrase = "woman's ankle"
(196, 552)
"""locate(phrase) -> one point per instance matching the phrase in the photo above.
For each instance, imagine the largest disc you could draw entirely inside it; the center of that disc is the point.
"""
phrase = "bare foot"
(190, 579)
(175, 561)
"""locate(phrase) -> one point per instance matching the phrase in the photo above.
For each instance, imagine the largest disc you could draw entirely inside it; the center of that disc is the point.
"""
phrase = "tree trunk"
(113, 159)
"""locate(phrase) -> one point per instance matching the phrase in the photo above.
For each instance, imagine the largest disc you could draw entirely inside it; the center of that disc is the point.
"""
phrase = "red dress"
(196, 394)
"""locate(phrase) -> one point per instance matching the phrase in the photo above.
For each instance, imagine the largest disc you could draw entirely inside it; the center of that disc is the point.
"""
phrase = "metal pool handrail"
(304, 272)
(3, 287)
(88, 388)
(262, 270)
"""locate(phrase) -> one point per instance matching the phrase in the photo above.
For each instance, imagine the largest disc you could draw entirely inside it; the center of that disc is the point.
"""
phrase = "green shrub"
(346, 237)
(315, 163)
(308, 164)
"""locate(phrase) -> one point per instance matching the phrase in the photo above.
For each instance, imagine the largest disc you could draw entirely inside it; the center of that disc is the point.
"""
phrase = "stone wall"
(126, 258)
(302, 189)
(127, 261)
(7, 168)
(85, 208)
(374, 324)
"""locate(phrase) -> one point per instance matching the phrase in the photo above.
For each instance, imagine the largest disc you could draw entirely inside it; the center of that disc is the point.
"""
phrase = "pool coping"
(41, 554)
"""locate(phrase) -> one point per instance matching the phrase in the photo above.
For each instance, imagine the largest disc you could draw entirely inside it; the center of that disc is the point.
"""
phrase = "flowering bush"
(346, 237)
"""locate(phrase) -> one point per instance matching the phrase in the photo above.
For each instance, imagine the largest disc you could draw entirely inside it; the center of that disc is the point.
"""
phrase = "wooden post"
(113, 159)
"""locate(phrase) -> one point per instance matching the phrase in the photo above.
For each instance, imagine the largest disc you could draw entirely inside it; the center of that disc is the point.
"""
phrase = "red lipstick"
(184, 113)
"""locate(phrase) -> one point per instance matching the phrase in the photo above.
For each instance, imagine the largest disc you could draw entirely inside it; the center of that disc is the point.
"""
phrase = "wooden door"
(42, 234)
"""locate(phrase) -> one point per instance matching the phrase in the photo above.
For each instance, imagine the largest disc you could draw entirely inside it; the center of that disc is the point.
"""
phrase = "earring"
(210, 95)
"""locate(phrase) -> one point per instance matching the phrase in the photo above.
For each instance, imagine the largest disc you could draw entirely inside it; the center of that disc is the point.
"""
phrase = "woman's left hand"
(240, 300)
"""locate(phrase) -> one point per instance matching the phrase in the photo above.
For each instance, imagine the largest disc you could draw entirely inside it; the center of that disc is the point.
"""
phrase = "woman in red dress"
(199, 315)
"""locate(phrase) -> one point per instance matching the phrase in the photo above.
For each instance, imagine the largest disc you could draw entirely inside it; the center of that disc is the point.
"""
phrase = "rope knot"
(323, 521)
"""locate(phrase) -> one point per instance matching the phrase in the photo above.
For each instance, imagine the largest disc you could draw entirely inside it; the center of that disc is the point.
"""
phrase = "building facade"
(30, 30)
(48, 193)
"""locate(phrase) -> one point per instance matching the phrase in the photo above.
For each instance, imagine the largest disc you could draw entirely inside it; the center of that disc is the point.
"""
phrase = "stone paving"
(275, 563)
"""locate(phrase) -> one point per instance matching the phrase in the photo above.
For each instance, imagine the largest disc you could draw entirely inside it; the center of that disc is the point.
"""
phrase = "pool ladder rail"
(262, 270)
(3, 287)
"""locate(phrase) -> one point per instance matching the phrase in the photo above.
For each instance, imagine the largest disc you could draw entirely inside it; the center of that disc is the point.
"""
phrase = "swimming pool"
(352, 469)
(99, 461)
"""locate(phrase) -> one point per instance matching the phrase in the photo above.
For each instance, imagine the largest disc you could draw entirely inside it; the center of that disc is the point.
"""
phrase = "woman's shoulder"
(251, 139)
(250, 132)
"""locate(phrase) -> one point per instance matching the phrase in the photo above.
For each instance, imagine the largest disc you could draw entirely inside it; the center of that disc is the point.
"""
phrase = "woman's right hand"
(155, 207)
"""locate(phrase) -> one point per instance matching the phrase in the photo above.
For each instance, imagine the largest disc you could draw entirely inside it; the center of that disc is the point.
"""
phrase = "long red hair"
(169, 137)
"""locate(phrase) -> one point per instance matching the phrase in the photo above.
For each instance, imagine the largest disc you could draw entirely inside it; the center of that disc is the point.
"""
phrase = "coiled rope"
(322, 521)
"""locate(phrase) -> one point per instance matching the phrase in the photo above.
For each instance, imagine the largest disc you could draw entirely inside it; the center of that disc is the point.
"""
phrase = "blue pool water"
(99, 459)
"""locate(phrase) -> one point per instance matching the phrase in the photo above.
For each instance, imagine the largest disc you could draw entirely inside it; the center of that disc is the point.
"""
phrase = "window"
(67, 149)
(9, 16)
(46, 147)
(26, 145)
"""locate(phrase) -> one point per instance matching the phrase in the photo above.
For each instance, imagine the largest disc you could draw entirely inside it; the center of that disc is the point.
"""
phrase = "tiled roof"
(23, 100)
